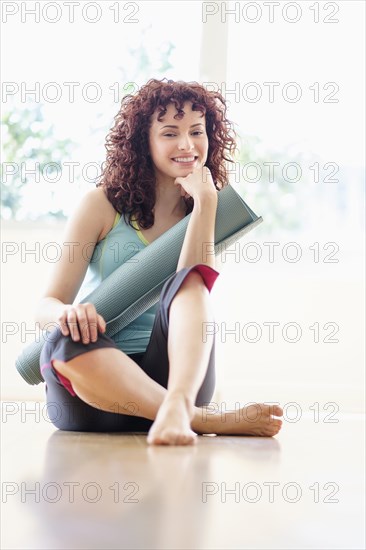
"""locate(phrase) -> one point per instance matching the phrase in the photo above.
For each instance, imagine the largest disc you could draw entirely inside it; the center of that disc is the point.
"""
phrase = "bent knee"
(91, 360)
(81, 363)
(194, 279)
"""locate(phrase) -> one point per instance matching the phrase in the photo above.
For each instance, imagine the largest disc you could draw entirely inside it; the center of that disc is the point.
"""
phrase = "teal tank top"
(118, 246)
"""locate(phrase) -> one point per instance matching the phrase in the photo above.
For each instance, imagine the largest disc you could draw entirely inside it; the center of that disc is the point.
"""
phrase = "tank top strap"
(138, 231)
(116, 219)
(135, 225)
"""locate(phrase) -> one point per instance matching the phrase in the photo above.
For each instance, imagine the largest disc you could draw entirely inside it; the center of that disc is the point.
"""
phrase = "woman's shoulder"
(106, 208)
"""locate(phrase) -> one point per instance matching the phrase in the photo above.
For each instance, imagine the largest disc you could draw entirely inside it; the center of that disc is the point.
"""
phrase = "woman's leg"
(127, 389)
(111, 381)
(189, 353)
(189, 285)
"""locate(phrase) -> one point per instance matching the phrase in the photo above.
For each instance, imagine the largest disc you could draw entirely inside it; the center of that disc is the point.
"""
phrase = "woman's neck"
(169, 202)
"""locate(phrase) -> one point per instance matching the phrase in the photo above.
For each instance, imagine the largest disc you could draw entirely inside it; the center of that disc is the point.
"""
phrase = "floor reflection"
(104, 491)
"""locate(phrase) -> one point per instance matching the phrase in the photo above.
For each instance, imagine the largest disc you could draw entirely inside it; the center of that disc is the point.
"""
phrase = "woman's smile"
(185, 160)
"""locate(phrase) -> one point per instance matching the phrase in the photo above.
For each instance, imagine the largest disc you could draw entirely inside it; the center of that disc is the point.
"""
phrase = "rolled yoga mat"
(135, 286)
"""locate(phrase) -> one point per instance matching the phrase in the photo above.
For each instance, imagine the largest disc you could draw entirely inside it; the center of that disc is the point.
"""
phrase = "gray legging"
(68, 412)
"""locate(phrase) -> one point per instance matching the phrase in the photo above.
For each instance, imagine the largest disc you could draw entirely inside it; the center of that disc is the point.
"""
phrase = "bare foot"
(172, 425)
(257, 419)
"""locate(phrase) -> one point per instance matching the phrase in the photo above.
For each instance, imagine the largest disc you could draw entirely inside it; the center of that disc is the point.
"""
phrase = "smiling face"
(177, 147)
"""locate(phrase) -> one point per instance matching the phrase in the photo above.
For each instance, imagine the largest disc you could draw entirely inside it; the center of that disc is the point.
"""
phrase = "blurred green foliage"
(280, 192)
(28, 143)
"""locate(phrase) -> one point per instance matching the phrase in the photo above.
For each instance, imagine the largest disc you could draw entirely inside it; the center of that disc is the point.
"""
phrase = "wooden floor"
(62, 490)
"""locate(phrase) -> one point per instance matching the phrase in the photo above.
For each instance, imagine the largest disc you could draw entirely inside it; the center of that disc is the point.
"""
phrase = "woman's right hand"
(81, 322)
(197, 184)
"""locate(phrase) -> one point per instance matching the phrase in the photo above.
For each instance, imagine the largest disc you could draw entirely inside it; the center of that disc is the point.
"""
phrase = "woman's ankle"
(204, 421)
(181, 395)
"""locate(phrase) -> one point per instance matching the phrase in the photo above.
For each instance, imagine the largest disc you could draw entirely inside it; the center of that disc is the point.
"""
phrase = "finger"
(83, 324)
(208, 176)
(92, 322)
(101, 323)
(63, 324)
(72, 324)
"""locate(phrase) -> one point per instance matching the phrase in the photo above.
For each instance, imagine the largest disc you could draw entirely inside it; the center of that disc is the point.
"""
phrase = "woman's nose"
(185, 142)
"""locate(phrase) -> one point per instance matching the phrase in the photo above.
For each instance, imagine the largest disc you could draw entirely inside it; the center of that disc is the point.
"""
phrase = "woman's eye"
(197, 132)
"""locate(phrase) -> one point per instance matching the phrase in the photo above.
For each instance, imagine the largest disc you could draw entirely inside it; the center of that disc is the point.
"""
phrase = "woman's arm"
(199, 241)
(81, 235)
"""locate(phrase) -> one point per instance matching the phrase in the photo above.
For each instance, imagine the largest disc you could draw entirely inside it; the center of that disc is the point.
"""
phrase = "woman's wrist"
(207, 197)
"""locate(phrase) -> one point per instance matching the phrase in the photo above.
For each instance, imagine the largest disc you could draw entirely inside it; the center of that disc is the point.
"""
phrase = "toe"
(277, 411)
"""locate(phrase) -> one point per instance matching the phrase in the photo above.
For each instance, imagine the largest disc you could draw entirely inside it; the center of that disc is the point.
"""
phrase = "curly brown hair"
(128, 177)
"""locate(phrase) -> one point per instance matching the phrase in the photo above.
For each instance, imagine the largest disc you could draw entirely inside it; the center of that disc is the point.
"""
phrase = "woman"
(165, 159)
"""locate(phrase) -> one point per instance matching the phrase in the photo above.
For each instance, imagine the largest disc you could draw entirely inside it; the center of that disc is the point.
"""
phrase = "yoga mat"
(135, 286)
